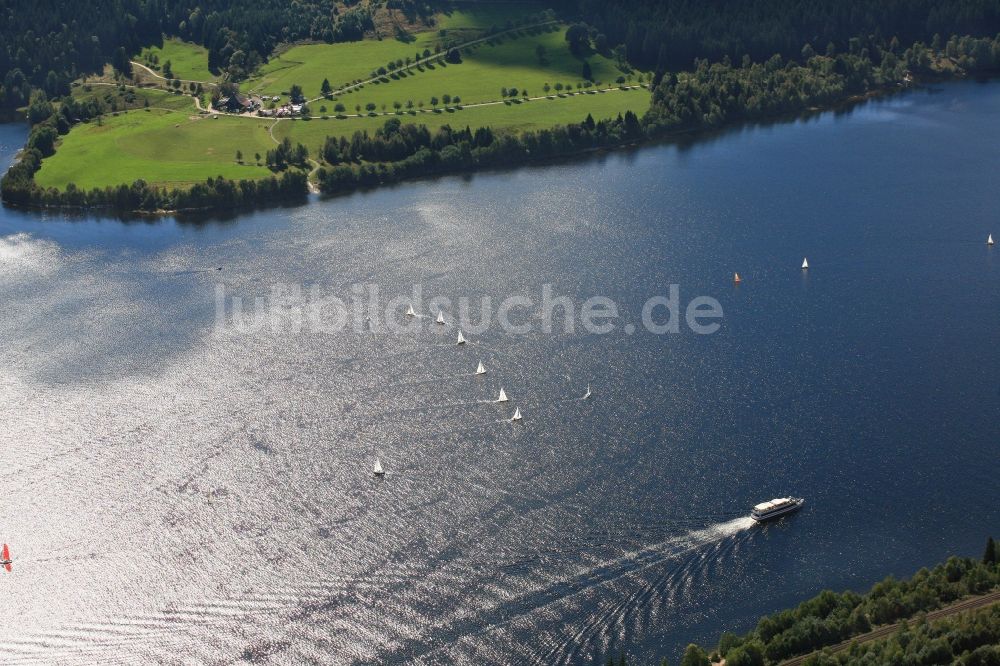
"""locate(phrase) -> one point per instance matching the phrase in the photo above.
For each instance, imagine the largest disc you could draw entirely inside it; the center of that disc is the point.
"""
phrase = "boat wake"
(635, 580)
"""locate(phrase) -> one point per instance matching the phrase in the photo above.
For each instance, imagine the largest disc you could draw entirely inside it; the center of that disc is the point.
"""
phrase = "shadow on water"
(195, 218)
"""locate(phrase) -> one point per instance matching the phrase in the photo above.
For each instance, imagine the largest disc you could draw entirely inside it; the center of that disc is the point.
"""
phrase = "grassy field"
(308, 64)
(535, 114)
(118, 100)
(484, 71)
(164, 140)
(467, 20)
(163, 147)
(187, 61)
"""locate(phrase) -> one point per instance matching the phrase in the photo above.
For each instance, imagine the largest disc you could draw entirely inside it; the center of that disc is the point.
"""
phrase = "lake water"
(177, 492)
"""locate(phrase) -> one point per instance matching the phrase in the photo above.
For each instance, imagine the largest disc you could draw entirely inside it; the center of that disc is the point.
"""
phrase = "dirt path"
(389, 114)
(313, 187)
(972, 603)
(163, 78)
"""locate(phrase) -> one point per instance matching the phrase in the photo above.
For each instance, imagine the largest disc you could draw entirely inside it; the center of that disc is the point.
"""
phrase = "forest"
(669, 35)
(413, 150)
(971, 638)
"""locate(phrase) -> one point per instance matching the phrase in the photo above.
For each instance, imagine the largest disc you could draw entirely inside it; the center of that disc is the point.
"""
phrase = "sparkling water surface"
(183, 494)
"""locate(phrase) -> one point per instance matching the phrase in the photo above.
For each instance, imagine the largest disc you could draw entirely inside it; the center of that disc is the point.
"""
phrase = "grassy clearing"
(134, 98)
(483, 72)
(162, 147)
(532, 115)
(187, 60)
(469, 19)
(308, 64)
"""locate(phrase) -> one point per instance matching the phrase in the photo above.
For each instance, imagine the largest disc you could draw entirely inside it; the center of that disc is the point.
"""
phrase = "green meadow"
(169, 148)
(187, 61)
(308, 64)
(482, 16)
(483, 72)
(164, 140)
(533, 115)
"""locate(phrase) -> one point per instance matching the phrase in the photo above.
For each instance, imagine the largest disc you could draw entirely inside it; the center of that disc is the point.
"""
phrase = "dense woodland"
(413, 150)
(715, 94)
(668, 35)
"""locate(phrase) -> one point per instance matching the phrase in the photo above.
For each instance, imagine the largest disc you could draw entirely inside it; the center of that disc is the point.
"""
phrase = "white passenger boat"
(775, 508)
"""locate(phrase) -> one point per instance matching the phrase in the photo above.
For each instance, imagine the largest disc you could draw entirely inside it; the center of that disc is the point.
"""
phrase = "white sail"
(410, 312)
(378, 468)
(461, 339)
(805, 263)
(587, 394)
(503, 396)
(480, 370)
(736, 277)
(517, 414)
(989, 241)
(440, 318)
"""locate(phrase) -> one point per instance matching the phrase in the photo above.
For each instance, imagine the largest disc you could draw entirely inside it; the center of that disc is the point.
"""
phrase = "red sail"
(6, 557)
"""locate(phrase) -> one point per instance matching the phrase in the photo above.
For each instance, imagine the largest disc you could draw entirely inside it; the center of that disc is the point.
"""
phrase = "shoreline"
(673, 136)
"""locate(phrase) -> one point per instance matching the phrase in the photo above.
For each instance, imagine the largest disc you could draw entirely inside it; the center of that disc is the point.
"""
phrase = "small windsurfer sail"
(5, 560)
(586, 396)
(989, 241)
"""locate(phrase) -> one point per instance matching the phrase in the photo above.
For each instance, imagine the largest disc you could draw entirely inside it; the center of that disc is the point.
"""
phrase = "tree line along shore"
(949, 614)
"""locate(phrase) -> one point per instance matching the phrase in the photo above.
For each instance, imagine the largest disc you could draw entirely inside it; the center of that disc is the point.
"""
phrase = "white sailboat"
(503, 396)
(517, 414)
(736, 278)
(461, 339)
(480, 370)
(587, 394)
(410, 312)
(440, 318)
(378, 468)
(805, 263)
(989, 241)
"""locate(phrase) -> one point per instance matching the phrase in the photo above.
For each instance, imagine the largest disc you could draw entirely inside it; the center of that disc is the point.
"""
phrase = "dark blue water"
(171, 488)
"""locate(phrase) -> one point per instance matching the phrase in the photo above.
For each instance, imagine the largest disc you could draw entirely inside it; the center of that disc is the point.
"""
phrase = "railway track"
(971, 603)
